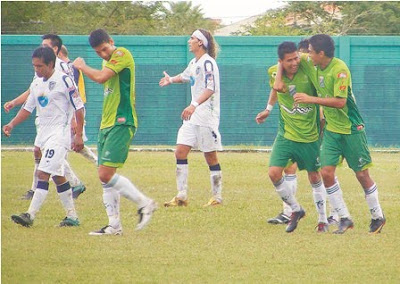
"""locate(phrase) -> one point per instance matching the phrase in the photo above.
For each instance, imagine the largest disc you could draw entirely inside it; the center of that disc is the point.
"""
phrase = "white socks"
(292, 183)
(371, 196)
(35, 177)
(216, 184)
(319, 195)
(41, 191)
(65, 194)
(182, 172)
(336, 200)
(285, 192)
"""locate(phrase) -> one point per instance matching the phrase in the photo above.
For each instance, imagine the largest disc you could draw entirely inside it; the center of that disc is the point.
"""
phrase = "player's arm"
(263, 115)
(21, 116)
(189, 110)
(99, 76)
(335, 102)
(167, 79)
(17, 101)
(80, 118)
(279, 85)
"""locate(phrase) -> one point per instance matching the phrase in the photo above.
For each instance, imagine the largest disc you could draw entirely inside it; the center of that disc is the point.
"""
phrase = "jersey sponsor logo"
(43, 100)
(113, 62)
(360, 127)
(297, 109)
(192, 81)
(119, 53)
(107, 91)
(52, 84)
(321, 82)
(342, 75)
(342, 88)
(121, 119)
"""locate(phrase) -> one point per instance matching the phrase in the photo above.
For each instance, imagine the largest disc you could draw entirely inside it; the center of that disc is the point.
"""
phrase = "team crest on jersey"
(43, 100)
(198, 70)
(273, 75)
(107, 91)
(321, 82)
(119, 53)
(292, 90)
(52, 84)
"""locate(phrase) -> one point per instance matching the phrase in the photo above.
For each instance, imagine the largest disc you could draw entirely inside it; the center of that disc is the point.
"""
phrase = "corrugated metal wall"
(374, 62)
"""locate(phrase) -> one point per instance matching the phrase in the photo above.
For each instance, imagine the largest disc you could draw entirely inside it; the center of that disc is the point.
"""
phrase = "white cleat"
(107, 231)
(145, 213)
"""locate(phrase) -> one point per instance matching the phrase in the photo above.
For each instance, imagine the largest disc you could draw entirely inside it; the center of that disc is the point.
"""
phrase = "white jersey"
(204, 74)
(56, 101)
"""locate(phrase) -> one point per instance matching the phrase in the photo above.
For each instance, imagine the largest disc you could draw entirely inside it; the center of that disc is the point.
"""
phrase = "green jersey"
(297, 122)
(119, 91)
(335, 82)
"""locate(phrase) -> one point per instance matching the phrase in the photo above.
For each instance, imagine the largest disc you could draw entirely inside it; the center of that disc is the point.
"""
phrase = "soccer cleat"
(176, 201)
(376, 225)
(344, 225)
(322, 227)
(213, 202)
(294, 220)
(107, 231)
(69, 222)
(332, 221)
(28, 195)
(78, 190)
(280, 219)
(145, 213)
(23, 219)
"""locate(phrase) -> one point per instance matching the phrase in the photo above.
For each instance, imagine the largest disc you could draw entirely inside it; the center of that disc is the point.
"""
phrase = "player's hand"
(187, 112)
(79, 63)
(302, 98)
(78, 143)
(165, 81)
(262, 116)
(9, 106)
(7, 130)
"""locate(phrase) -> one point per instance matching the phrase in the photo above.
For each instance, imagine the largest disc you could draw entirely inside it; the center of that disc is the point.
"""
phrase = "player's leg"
(186, 140)
(65, 194)
(209, 143)
(359, 159)
(113, 152)
(37, 155)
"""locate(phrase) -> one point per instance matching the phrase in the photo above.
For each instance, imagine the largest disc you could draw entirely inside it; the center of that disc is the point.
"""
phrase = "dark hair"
(323, 42)
(98, 37)
(45, 53)
(213, 47)
(286, 47)
(55, 41)
(303, 45)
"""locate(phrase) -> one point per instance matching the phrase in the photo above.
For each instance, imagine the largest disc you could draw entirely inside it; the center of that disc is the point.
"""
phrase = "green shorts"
(305, 154)
(113, 145)
(353, 147)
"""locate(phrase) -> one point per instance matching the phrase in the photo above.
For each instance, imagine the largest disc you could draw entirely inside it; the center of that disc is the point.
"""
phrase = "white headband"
(199, 35)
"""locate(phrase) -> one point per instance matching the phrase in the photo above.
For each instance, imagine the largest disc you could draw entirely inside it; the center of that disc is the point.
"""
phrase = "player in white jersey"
(200, 118)
(55, 98)
(55, 43)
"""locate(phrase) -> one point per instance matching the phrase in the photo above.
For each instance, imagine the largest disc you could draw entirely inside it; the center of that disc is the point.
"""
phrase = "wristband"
(194, 103)
(170, 80)
(269, 107)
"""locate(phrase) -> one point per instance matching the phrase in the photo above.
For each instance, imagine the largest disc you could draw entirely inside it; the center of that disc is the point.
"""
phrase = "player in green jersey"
(297, 138)
(117, 129)
(344, 131)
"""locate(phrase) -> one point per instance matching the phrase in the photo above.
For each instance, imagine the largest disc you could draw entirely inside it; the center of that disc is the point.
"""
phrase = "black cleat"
(294, 220)
(23, 219)
(376, 225)
(280, 219)
(28, 195)
(344, 225)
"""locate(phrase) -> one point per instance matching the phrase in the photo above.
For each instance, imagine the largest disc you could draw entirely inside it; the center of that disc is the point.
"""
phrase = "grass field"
(228, 244)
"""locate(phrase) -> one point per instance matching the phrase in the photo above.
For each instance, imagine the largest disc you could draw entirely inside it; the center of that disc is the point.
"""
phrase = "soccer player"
(298, 135)
(344, 132)
(54, 42)
(56, 99)
(200, 118)
(117, 129)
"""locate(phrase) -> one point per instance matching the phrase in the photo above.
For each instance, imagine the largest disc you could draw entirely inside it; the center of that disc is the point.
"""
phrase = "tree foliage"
(117, 17)
(333, 17)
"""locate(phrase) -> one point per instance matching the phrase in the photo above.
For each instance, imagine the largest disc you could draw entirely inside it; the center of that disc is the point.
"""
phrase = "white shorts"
(204, 138)
(53, 158)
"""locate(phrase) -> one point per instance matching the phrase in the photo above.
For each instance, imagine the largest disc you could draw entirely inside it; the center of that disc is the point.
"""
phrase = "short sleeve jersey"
(56, 100)
(119, 91)
(335, 81)
(297, 122)
(204, 74)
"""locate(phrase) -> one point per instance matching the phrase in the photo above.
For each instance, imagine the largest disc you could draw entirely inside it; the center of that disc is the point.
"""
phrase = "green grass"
(229, 244)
